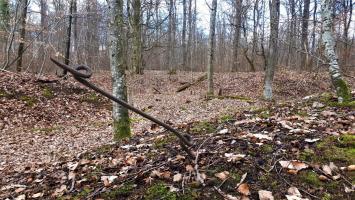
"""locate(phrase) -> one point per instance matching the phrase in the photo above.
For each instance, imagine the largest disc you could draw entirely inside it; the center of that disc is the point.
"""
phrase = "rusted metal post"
(81, 76)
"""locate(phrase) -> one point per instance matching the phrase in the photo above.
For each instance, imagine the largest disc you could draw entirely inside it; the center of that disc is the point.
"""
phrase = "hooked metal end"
(80, 71)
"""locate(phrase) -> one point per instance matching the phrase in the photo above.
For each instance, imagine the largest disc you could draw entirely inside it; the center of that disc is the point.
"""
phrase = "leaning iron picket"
(82, 76)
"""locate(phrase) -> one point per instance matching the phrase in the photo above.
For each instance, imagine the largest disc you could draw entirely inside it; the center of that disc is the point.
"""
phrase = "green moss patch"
(161, 142)
(30, 101)
(47, 92)
(46, 129)
(236, 97)
(338, 149)
(310, 178)
(3, 93)
(82, 194)
(92, 97)
(159, 191)
(343, 90)
(225, 118)
(203, 127)
(119, 193)
(122, 128)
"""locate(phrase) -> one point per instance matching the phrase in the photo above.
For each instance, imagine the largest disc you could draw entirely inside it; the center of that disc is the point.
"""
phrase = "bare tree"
(121, 124)
(183, 39)
(23, 17)
(4, 23)
(339, 83)
(171, 36)
(137, 40)
(304, 39)
(347, 6)
(211, 48)
(273, 46)
(237, 28)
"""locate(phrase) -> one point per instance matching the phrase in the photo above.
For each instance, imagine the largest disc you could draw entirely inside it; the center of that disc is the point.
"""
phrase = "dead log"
(189, 84)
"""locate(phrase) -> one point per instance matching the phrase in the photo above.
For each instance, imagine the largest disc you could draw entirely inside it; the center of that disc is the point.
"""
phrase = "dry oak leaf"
(244, 189)
(351, 168)
(60, 191)
(265, 195)
(166, 174)
(231, 157)
(19, 190)
(222, 175)
(37, 195)
(177, 177)
(323, 178)
(108, 180)
(294, 191)
(189, 168)
(21, 197)
(72, 166)
(293, 197)
(293, 165)
(327, 170)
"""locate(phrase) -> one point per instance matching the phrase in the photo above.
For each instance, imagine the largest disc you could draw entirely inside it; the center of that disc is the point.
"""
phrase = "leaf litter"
(246, 165)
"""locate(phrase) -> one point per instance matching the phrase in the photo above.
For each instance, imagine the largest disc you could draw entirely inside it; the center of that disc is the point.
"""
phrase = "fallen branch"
(187, 85)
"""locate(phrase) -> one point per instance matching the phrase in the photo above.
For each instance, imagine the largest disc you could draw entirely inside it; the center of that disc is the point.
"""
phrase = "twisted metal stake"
(82, 76)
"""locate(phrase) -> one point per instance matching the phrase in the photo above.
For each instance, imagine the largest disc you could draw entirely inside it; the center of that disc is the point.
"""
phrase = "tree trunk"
(189, 40)
(44, 35)
(121, 124)
(348, 8)
(171, 36)
(237, 27)
(4, 24)
(137, 40)
(304, 39)
(68, 39)
(92, 33)
(211, 48)
(292, 35)
(183, 39)
(75, 32)
(256, 19)
(273, 46)
(23, 8)
(339, 83)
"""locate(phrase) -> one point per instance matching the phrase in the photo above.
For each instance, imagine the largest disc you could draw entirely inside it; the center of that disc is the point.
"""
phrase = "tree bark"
(348, 8)
(23, 8)
(339, 83)
(68, 39)
(75, 32)
(92, 33)
(273, 46)
(171, 36)
(304, 39)
(292, 35)
(237, 28)
(183, 39)
(211, 48)
(189, 40)
(137, 40)
(4, 25)
(121, 124)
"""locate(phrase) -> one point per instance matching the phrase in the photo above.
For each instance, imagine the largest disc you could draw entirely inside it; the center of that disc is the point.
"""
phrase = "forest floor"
(56, 139)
